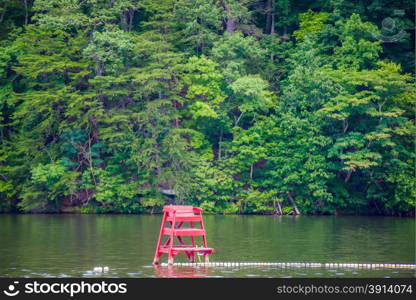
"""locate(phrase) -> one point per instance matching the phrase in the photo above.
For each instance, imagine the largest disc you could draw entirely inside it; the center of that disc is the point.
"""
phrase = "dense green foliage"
(247, 106)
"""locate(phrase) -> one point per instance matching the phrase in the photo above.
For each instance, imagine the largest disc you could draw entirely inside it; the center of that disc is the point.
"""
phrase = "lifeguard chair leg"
(204, 237)
(159, 240)
(191, 224)
(192, 256)
(170, 253)
(170, 258)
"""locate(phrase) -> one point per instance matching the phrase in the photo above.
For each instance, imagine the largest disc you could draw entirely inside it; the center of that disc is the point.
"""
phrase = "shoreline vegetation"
(235, 106)
(78, 211)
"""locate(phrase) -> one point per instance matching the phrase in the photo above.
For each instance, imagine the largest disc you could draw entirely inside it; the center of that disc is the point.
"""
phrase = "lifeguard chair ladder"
(176, 216)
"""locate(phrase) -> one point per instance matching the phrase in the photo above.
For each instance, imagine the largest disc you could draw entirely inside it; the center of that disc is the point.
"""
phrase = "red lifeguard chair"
(176, 216)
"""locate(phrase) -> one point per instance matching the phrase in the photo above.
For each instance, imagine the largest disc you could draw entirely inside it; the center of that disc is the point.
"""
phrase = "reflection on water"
(184, 272)
(275, 272)
(72, 245)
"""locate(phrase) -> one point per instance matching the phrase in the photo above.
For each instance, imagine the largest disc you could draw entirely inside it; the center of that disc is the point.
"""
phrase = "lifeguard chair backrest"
(181, 210)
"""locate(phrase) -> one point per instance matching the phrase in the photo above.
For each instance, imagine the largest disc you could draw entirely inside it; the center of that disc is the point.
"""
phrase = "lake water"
(72, 245)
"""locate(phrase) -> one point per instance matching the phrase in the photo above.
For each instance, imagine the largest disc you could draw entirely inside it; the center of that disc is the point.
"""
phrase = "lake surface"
(72, 245)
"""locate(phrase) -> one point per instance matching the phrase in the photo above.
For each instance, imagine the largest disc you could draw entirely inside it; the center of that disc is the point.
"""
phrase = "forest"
(235, 106)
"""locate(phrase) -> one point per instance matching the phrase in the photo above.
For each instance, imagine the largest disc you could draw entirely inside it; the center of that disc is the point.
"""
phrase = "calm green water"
(72, 245)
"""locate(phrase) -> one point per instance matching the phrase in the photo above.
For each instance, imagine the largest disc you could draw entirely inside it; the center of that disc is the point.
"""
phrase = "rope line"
(294, 264)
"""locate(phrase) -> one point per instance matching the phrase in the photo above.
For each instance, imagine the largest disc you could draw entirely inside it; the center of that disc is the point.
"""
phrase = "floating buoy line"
(101, 269)
(292, 264)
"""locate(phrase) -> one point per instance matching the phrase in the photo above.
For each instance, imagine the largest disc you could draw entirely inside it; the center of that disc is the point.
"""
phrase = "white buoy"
(98, 269)
(106, 269)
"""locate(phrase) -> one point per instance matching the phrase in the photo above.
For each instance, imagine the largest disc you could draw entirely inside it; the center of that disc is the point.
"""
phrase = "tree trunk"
(131, 17)
(238, 119)
(278, 209)
(220, 145)
(251, 170)
(231, 23)
(272, 23)
(344, 126)
(270, 17)
(124, 17)
(175, 121)
(273, 18)
(3, 13)
(347, 178)
(95, 140)
(99, 66)
(295, 207)
(26, 13)
(380, 105)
